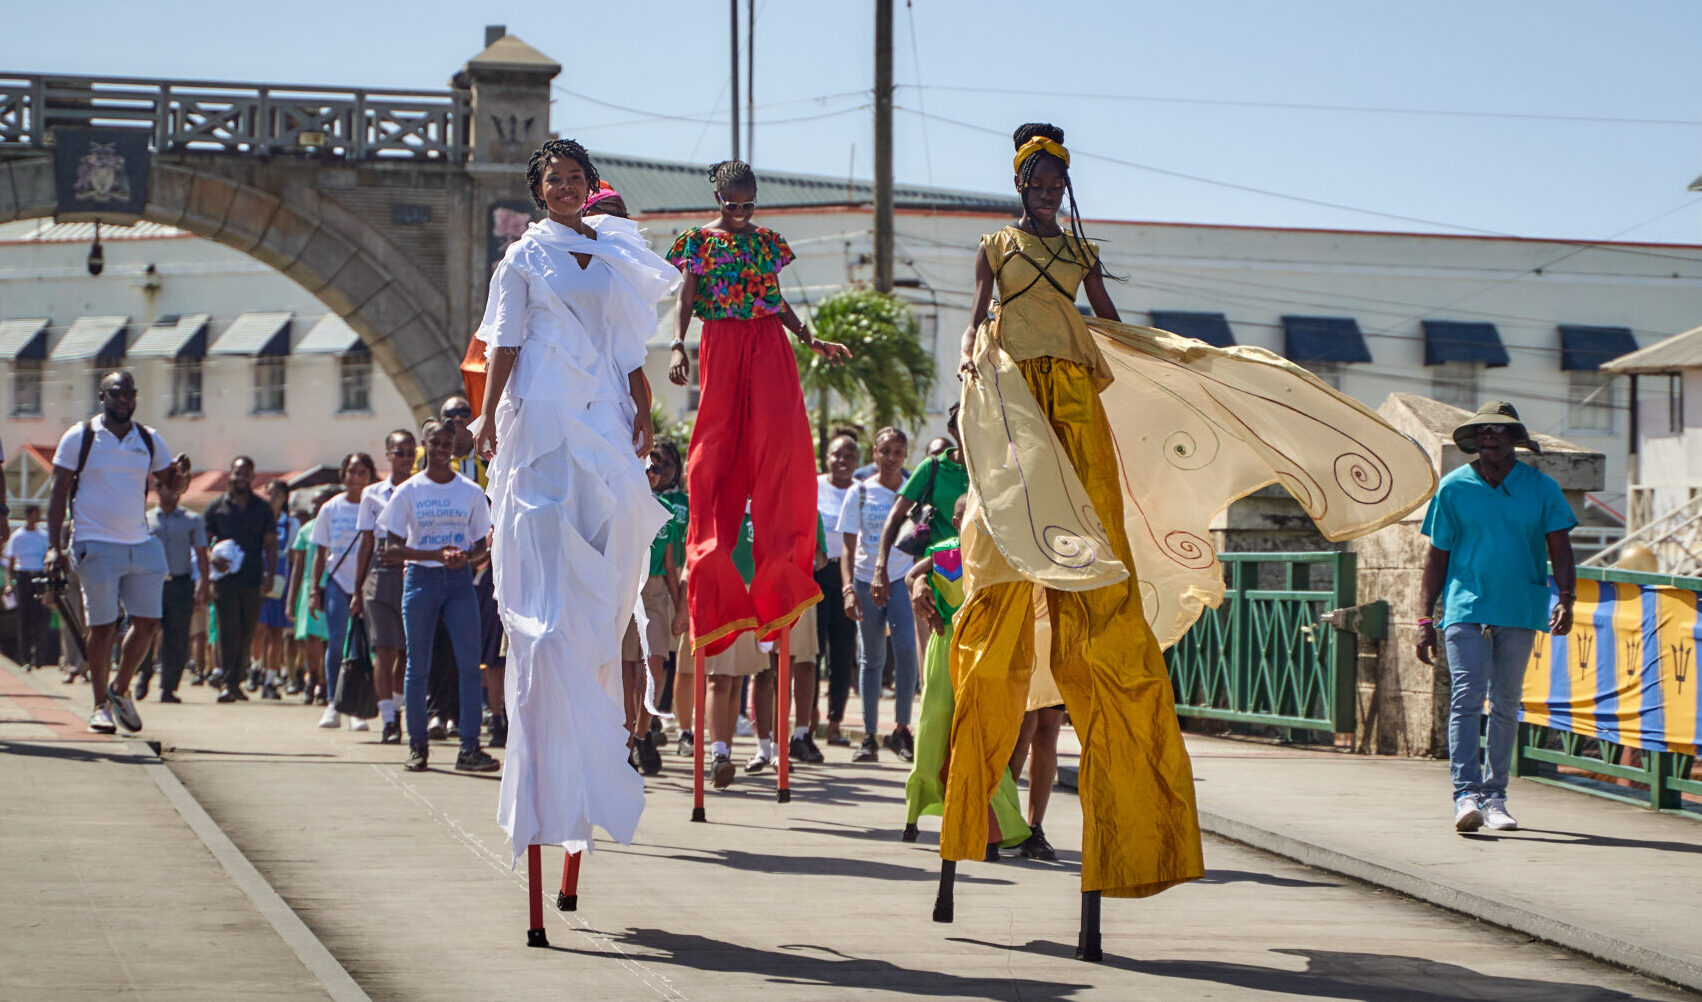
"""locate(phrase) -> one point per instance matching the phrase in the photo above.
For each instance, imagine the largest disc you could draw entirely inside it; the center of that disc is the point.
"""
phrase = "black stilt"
(910, 831)
(992, 854)
(1087, 944)
(943, 903)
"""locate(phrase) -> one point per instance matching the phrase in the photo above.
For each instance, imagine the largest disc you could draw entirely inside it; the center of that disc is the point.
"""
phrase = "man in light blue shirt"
(1495, 525)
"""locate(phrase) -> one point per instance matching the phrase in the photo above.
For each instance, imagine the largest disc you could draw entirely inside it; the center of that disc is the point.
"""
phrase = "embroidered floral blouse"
(737, 274)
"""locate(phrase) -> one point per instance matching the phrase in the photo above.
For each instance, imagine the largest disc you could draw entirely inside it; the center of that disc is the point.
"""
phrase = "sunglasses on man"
(458, 412)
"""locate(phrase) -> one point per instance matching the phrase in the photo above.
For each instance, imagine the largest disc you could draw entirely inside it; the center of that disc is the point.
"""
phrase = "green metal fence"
(1542, 752)
(1265, 656)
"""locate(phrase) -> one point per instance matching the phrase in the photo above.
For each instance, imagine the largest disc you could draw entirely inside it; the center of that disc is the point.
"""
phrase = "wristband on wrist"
(1426, 621)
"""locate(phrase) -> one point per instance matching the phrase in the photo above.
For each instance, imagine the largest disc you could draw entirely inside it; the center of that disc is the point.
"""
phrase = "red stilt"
(783, 717)
(700, 735)
(568, 899)
(535, 894)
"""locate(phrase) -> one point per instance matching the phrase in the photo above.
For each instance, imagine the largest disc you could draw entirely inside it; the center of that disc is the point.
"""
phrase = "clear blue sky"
(1536, 116)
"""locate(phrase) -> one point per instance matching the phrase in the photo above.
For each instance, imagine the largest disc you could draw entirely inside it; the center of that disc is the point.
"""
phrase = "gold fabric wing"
(1196, 428)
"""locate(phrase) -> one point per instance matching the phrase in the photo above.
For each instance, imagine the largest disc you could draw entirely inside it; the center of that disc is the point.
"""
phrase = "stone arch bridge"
(389, 206)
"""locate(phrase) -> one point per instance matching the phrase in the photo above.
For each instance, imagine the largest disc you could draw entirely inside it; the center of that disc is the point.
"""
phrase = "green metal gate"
(1265, 656)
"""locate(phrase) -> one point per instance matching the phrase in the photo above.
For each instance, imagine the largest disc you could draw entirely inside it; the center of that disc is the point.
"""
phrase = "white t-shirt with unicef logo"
(430, 515)
(863, 514)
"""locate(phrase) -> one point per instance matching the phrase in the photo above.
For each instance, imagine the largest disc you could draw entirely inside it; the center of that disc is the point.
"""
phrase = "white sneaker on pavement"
(100, 722)
(1495, 815)
(758, 762)
(331, 718)
(357, 724)
(744, 729)
(1467, 816)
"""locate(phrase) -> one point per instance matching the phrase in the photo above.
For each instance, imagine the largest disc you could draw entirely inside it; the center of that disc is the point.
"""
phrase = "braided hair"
(730, 174)
(670, 449)
(558, 149)
(1025, 175)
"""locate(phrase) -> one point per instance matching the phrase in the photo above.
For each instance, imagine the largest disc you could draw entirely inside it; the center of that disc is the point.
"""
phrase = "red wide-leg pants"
(751, 443)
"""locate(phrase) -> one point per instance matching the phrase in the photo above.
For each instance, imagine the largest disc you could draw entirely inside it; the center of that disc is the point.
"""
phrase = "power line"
(707, 116)
(1299, 106)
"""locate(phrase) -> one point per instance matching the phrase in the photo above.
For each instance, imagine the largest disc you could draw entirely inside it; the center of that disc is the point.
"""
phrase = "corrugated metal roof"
(174, 337)
(672, 186)
(255, 334)
(23, 338)
(330, 336)
(49, 232)
(1681, 351)
(92, 337)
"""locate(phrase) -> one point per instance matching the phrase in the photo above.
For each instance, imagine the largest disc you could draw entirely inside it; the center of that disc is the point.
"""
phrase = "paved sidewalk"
(1604, 878)
(405, 880)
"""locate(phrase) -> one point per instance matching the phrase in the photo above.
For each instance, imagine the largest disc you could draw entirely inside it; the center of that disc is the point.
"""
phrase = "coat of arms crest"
(101, 176)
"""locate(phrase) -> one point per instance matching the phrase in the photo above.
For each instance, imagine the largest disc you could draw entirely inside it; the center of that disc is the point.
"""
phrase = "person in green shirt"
(310, 628)
(663, 597)
(937, 481)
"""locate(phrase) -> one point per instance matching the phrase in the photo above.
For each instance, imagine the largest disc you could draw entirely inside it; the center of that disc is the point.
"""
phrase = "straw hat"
(1494, 412)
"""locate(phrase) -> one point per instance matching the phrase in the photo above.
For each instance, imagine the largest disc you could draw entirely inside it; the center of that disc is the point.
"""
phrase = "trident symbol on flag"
(1633, 656)
(1586, 641)
(1681, 658)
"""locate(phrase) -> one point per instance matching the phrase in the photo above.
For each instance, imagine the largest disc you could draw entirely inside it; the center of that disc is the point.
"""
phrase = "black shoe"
(436, 731)
(475, 760)
(903, 746)
(255, 677)
(799, 750)
(197, 679)
(721, 771)
(169, 697)
(867, 752)
(684, 748)
(294, 688)
(418, 755)
(236, 690)
(816, 757)
(142, 680)
(452, 730)
(269, 691)
(649, 759)
(1036, 846)
(216, 678)
(992, 855)
(499, 731)
(231, 697)
(392, 733)
(307, 697)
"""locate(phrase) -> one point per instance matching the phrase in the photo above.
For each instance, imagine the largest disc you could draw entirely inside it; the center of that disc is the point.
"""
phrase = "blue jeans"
(430, 594)
(871, 653)
(1480, 666)
(337, 630)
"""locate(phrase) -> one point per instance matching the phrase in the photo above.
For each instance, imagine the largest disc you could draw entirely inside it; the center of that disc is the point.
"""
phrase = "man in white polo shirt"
(101, 472)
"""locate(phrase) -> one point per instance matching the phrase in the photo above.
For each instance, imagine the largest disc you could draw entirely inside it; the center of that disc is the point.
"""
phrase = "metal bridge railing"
(356, 124)
(1265, 656)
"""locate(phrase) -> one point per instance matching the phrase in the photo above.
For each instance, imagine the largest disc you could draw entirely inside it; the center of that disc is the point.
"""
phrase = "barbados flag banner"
(1626, 671)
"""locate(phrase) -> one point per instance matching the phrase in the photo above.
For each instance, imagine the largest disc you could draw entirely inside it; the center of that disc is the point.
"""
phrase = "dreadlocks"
(1025, 175)
(731, 173)
(558, 149)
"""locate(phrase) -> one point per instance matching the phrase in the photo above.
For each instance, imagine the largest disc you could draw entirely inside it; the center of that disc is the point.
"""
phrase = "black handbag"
(357, 695)
(918, 532)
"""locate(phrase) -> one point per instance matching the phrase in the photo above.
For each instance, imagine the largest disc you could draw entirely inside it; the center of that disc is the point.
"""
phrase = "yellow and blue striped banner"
(1626, 672)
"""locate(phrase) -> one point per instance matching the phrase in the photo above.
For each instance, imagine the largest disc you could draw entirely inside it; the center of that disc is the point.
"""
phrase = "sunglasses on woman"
(749, 206)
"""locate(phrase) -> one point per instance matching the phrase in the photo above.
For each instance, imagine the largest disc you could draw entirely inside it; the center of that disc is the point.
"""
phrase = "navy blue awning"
(1584, 349)
(1453, 341)
(1212, 328)
(1323, 339)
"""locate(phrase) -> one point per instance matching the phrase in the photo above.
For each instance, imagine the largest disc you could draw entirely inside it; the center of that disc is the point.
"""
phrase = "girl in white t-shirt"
(435, 521)
(861, 520)
(334, 570)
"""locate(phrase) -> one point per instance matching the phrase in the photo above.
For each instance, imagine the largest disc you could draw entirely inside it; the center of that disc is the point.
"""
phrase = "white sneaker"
(100, 722)
(331, 718)
(744, 729)
(1467, 816)
(1495, 815)
(357, 724)
(758, 762)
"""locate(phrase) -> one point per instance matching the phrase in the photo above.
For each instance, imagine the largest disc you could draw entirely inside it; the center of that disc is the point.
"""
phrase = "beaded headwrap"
(1039, 144)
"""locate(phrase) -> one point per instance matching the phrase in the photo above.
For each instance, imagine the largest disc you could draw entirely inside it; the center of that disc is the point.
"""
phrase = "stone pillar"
(1403, 703)
(508, 87)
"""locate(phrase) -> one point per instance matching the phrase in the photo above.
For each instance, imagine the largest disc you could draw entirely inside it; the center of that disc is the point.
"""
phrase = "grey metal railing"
(357, 124)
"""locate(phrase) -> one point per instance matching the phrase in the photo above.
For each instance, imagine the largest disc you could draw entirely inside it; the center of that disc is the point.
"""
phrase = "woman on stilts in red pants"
(751, 442)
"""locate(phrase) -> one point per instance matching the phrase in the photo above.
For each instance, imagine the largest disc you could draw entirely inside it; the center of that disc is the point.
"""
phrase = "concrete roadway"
(404, 878)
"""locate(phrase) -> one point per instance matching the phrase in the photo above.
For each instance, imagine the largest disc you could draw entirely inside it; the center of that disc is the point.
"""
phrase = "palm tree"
(890, 374)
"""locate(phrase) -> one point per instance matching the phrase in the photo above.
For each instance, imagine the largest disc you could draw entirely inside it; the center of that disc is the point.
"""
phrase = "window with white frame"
(354, 379)
(1589, 401)
(186, 376)
(26, 387)
(269, 386)
(1329, 372)
(1456, 383)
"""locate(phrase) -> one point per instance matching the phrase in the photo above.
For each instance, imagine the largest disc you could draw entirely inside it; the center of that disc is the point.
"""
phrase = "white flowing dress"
(573, 520)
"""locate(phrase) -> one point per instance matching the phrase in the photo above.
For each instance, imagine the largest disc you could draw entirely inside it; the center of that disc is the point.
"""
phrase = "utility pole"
(883, 145)
(733, 38)
(750, 86)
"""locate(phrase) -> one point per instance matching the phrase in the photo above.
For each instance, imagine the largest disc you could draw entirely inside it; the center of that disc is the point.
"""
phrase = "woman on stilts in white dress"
(566, 420)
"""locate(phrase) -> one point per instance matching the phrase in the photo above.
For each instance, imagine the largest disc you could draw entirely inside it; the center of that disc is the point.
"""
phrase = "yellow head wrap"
(1039, 144)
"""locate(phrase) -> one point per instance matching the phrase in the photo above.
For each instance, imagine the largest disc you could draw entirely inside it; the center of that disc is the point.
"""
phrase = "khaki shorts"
(658, 630)
(804, 647)
(740, 659)
(382, 594)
